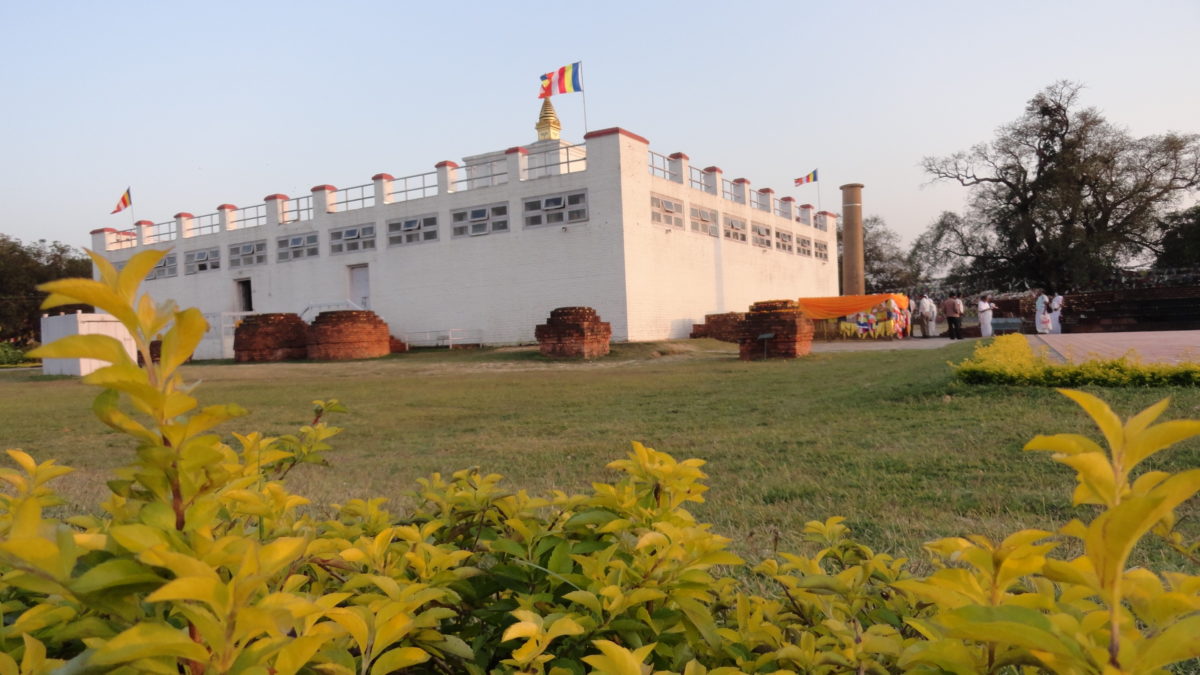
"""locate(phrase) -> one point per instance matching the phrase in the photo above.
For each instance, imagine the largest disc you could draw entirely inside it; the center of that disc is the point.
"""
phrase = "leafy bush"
(204, 563)
(1009, 359)
(11, 355)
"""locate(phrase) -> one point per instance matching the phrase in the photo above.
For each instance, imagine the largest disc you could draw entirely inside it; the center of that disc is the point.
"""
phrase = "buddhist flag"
(565, 80)
(810, 177)
(124, 202)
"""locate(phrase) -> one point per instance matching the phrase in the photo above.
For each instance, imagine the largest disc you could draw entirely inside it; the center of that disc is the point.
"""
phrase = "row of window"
(670, 212)
(559, 209)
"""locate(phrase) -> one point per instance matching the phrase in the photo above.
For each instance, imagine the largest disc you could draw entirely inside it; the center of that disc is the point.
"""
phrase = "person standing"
(952, 308)
(1041, 320)
(1056, 306)
(985, 315)
(927, 313)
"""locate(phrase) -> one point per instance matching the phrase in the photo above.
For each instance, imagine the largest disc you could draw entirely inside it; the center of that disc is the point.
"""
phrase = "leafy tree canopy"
(22, 268)
(1181, 239)
(1060, 197)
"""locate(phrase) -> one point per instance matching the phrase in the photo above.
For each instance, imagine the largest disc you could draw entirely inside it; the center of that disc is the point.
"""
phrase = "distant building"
(489, 247)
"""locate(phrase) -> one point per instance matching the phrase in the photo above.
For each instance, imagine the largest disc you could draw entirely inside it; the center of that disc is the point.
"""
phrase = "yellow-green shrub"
(203, 563)
(1009, 359)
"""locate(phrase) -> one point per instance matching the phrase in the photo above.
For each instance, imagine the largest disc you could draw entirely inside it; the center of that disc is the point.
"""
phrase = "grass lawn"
(887, 439)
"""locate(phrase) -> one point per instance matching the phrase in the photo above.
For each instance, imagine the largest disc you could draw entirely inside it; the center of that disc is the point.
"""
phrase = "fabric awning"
(845, 305)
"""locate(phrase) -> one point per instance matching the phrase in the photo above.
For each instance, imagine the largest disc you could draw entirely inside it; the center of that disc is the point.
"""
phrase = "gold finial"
(548, 127)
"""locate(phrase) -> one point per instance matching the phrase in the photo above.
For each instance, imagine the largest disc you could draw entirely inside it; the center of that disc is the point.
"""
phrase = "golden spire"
(548, 126)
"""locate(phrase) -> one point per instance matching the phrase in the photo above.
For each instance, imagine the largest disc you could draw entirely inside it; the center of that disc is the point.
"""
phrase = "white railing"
(357, 197)
(297, 209)
(159, 232)
(414, 187)
(696, 180)
(569, 159)
(444, 338)
(728, 191)
(660, 166)
(482, 175)
(252, 216)
(124, 239)
(209, 223)
(312, 311)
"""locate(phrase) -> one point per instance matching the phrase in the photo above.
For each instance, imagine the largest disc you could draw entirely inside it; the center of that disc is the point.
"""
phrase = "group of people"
(1047, 314)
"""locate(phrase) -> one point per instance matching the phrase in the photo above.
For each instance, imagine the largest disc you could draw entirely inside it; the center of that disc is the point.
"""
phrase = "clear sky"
(195, 104)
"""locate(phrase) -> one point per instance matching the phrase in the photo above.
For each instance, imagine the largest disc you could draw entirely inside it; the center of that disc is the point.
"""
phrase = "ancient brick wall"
(348, 334)
(790, 331)
(270, 337)
(574, 332)
(724, 327)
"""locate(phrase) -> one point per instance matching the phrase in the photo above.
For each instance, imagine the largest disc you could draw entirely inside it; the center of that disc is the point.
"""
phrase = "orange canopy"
(844, 305)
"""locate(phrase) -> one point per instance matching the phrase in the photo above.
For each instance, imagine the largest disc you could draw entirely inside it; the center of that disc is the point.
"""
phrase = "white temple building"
(481, 252)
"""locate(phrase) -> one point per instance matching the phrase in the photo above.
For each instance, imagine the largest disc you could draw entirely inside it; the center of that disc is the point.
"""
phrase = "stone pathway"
(1175, 346)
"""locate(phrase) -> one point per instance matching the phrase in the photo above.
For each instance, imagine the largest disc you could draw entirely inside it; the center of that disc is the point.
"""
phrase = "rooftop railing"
(159, 232)
(252, 216)
(556, 162)
(660, 166)
(357, 197)
(486, 174)
(208, 223)
(416, 186)
(298, 209)
(760, 201)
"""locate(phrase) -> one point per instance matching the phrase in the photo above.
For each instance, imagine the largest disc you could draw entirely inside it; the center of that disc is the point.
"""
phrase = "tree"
(22, 268)
(1061, 197)
(1181, 239)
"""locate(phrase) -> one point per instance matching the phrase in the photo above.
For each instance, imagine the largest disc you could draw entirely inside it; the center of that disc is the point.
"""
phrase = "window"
(166, 267)
(248, 254)
(666, 211)
(760, 235)
(735, 228)
(704, 221)
(297, 246)
(412, 230)
(556, 209)
(784, 241)
(201, 261)
(478, 221)
(351, 239)
(803, 246)
(822, 250)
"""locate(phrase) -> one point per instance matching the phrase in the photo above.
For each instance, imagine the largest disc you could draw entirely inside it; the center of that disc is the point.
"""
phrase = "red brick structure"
(784, 331)
(270, 337)
(724, 327)
(574, 332)
(398, 346)
(348, 334)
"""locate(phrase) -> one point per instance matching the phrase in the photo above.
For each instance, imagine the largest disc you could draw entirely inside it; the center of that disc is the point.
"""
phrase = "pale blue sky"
(195, 104)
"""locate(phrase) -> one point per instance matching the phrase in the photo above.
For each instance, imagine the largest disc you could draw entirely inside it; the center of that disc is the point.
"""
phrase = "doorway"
(245, 296)
(360, 286)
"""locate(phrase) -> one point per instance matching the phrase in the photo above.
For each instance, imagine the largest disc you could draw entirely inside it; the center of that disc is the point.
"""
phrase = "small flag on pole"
(807, 178)
(124, 202)
(565, 80)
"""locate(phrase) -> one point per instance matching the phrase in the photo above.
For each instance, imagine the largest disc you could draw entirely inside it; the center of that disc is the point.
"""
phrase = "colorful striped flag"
(810, 177)
(565, 80)
(125, 201)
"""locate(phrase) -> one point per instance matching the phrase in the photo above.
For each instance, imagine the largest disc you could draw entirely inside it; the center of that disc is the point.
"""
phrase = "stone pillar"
(741, 190)
(679, 166)
(766, 197)
(323, 197)
(227, 217)
(383, 185)
(275, 206)
(853, 277)
(712, 180)
(447, 174)
(518, 163)
(787, 206)
(140, 226)
(805, 215)
(183, 224)
(103, 238)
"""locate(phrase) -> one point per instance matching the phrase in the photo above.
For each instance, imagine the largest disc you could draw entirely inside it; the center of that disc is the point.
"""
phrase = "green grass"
(887, 439)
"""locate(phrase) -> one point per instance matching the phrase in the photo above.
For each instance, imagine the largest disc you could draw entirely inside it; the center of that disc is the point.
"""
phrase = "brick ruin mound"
(270, 337)
(348, 334)
(774, 329)
(574, 332)
(397, 345)
(724, 327)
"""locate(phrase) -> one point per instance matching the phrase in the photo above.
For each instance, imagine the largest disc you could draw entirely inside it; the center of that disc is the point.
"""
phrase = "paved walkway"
(1175, 346)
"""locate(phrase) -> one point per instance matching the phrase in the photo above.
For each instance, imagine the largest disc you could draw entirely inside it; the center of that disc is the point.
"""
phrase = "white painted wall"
(62, 325)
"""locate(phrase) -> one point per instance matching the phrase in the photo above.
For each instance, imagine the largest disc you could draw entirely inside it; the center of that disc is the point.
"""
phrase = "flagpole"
(583, 93)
